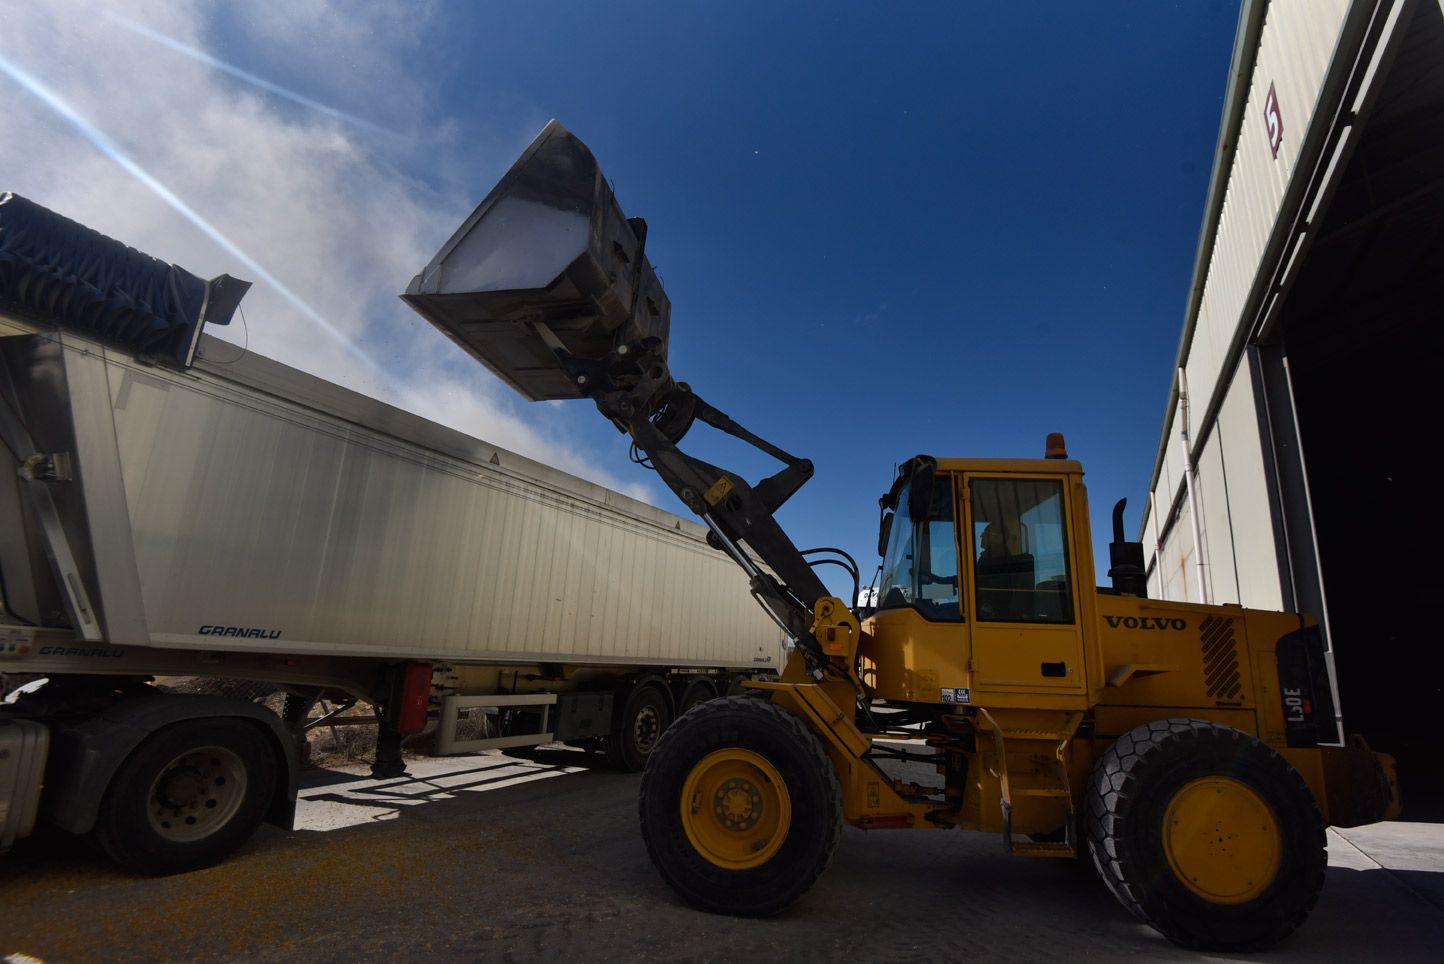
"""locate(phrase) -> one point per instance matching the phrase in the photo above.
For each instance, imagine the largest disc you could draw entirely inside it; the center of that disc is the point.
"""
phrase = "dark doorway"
(1363, 334)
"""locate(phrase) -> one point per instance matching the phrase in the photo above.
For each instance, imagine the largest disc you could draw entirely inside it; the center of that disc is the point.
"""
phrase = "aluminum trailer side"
(247, 506)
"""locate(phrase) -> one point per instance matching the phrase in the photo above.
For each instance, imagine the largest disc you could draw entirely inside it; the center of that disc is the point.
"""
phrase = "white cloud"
(323, 206)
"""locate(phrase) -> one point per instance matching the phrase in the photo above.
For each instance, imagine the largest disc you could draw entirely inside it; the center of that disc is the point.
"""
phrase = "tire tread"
(1118, 779)
(744, 710)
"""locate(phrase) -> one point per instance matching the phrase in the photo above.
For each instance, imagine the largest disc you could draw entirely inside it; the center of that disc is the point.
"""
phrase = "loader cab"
(986, 586)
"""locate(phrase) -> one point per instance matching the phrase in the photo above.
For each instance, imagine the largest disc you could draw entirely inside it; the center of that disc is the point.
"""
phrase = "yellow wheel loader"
(1193, 752)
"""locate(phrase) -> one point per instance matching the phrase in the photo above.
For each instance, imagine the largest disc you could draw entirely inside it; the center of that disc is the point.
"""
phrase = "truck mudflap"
(1361, 786)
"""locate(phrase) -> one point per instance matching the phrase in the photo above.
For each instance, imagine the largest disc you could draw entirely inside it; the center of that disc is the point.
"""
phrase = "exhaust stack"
(1127, 571)
(547, 261)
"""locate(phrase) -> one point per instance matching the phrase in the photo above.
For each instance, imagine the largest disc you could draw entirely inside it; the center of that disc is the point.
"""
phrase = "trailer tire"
(697, 691)
(740, 807)
(1206, 834)
(645, 715)
(187, 797)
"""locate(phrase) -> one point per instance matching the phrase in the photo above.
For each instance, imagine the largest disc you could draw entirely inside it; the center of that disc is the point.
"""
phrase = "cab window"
(920, 568)
(1020, 551)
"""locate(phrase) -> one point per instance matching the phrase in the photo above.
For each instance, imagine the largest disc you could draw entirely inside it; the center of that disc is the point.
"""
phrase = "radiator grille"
(1220, 658)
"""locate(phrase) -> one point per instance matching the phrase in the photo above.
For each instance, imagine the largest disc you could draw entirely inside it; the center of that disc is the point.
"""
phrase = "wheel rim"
(735, 809)
(1222, 840)
(646, 728)
(196, 794)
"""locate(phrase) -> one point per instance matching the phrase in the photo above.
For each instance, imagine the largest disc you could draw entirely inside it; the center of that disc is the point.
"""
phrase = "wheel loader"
(1192, 752)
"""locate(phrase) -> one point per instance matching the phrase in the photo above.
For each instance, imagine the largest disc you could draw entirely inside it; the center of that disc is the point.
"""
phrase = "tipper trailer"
(173, 505)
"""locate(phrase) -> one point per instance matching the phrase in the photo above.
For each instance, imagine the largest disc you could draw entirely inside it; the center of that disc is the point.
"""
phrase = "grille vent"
(1220, 658)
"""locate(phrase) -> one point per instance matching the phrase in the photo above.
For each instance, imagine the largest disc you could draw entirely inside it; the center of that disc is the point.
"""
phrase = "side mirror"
(920, 489)
(884, 532)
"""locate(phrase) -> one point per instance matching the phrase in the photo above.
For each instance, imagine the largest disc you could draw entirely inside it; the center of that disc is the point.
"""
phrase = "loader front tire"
(1206, 835)
(740, 807)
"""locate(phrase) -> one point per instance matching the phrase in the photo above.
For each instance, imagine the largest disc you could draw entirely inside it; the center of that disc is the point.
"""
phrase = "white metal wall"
(1294, 51)
(1250, 517)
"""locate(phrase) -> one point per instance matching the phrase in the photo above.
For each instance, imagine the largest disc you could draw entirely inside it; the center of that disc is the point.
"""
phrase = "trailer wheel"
(187, 797)
(697, 691)
(740, 807)
(1206, 835)
(644, 716)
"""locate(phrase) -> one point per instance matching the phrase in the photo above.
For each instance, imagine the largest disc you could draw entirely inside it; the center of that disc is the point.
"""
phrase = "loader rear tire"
(740, 807)
(1206, 834)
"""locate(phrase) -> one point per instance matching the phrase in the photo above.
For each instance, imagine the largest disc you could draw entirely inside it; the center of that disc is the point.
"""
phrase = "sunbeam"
(110, 149)
(250, 78)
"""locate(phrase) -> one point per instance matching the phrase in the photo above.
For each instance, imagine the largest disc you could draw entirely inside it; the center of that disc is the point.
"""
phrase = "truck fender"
(84, 757)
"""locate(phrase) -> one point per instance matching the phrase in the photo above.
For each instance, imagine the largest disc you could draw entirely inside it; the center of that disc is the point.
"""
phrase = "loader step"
(1044, 736)
(1033, 848)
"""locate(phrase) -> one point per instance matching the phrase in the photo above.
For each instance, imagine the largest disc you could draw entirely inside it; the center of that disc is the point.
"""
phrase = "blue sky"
(885, 229)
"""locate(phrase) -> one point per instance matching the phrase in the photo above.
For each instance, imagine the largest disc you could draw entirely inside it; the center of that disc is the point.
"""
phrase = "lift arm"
(547, 283)
(633, 388)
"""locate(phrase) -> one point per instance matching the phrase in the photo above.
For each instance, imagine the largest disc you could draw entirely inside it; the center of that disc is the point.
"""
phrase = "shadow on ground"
(493, 857)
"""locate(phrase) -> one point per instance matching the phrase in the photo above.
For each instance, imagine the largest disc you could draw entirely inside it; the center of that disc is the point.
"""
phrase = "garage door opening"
(1359, 354)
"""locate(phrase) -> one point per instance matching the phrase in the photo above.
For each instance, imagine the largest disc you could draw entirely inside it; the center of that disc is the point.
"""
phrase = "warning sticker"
(718, 491)
(960, 694)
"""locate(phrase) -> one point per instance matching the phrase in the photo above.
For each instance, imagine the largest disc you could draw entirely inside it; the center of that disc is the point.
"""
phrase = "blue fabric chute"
(60, 272)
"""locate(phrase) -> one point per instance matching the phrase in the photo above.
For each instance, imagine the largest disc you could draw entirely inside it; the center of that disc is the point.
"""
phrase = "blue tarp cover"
(61, 272)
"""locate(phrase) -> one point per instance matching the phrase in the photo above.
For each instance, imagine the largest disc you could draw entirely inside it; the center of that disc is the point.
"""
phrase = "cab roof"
(1013, 466)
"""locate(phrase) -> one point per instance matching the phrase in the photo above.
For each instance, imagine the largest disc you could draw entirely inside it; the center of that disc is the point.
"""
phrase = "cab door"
(1018, 544)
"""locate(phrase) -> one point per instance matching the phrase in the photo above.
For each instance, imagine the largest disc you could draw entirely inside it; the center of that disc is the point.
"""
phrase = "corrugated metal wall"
(1294, 51)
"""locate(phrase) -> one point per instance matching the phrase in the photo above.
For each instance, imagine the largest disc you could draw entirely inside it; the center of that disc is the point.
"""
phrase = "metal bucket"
(549, 246)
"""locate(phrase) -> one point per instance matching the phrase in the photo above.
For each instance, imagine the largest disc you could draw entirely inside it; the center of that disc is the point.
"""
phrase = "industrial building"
(1292, 468)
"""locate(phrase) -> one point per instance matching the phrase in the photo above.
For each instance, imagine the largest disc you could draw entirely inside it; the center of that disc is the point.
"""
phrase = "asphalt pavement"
(495, 858)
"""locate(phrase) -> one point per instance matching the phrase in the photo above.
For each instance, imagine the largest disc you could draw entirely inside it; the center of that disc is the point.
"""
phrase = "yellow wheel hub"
(735, 809)
(1222, 840)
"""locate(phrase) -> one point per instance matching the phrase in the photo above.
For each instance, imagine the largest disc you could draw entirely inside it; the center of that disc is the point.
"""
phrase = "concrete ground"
(490, 857)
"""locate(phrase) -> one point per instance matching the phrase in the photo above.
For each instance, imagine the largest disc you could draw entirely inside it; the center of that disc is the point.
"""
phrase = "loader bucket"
(549, 246)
